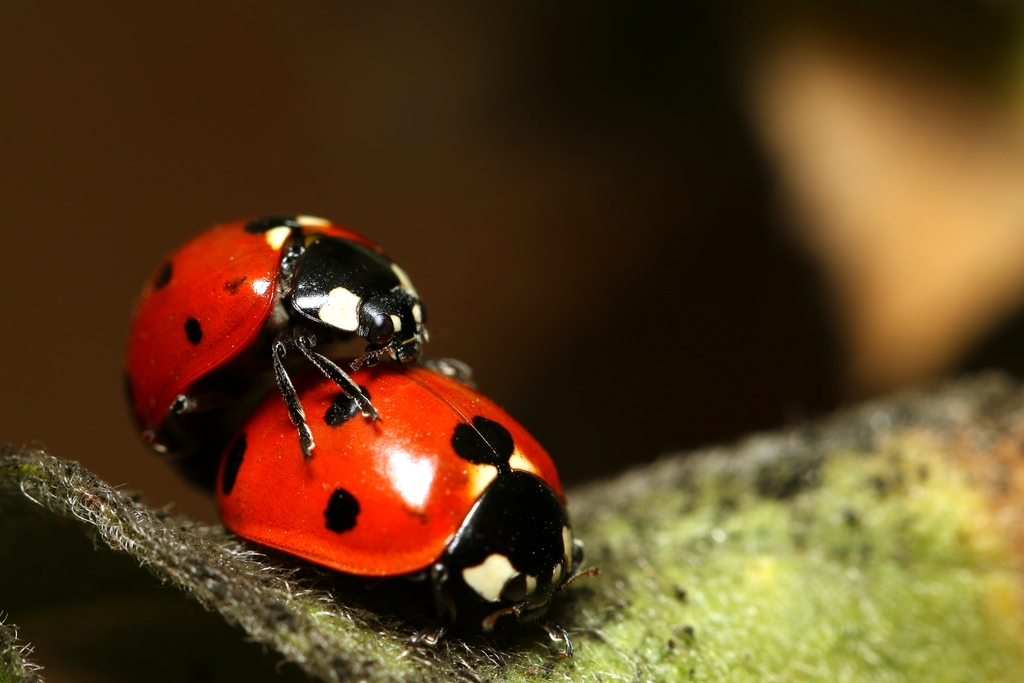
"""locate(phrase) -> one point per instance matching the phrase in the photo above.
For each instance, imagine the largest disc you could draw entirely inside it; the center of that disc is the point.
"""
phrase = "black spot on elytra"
(342, 510)
(267, 223)
(485, 442)
(343, 408)
(232, 285)
(163, 276)
(232, 462)
(193, 331)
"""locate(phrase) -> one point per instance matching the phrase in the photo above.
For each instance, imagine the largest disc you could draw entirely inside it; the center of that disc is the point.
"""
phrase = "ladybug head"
(351, 288)
(512, 554)
(392, 322)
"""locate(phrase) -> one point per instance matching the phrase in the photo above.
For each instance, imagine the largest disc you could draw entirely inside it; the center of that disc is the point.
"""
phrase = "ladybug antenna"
(578, 574)
(489, 621)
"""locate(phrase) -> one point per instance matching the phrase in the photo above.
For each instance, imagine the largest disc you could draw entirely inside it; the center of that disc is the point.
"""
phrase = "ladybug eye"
(515, 589)
(376, 324)
(518, 587)
(382, 331)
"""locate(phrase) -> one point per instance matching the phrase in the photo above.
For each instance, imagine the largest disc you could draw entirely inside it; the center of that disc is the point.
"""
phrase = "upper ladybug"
(230, 304)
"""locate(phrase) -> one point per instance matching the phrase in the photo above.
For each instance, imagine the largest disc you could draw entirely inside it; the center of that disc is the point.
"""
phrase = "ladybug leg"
(429, 636)
(557, 633)
(443, 601)
(291, 398)
(305, 342)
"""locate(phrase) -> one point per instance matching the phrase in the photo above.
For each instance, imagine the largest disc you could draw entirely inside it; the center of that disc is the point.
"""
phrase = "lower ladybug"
(444, 487)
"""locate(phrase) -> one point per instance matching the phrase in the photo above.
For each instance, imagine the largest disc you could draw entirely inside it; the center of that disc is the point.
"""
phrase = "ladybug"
(228, 307)
(445, 487)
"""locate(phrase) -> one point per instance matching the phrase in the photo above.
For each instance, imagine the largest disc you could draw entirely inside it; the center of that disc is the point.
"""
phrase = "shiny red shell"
(225, 279)
(413, 491)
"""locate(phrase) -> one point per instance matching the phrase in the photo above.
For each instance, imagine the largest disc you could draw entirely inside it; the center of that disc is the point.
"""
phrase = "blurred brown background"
(647, 226)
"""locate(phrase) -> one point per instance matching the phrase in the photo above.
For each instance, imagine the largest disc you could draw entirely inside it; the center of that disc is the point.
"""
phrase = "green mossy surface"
(858, 549)
(884, 570)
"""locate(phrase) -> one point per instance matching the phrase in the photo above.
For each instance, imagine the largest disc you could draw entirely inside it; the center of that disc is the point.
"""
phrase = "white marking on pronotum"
(490, 576)
(480, 477)
(276, 237)
(341, 310)
(519, 462)
(567, 544)
(556, 575)
(403, 280)
(417, 313)
(312, 221)
(396, 321)
(531, 583)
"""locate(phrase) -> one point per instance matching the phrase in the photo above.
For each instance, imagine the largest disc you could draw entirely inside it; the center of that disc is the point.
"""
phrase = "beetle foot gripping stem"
(558, 634)
(429, 636)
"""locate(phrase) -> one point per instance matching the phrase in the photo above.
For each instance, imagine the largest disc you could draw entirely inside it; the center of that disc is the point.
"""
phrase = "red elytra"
(412, 491)
(226, 277)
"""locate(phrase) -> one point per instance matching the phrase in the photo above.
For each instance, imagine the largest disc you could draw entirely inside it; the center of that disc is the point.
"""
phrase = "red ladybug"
(445, 486)
(229, 305)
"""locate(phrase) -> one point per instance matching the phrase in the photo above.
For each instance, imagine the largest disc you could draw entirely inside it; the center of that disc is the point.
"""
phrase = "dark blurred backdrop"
(646, 225)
